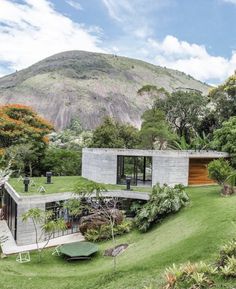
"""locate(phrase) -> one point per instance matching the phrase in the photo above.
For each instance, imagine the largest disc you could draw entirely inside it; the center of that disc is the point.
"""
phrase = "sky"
(193, 36)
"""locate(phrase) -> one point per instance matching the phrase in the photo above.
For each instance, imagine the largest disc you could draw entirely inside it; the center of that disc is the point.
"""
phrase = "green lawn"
(196, 233)
(60, 184)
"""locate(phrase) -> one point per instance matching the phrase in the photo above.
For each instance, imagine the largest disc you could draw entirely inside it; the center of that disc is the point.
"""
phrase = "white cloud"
(230, 1)
(192, 59)
(118, 10)
(75, 4)
(34, 30)
(133, 16)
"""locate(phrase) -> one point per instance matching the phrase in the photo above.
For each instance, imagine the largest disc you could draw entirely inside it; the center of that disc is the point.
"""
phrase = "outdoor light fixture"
(49, 177)
(26, 182)
(128, 182)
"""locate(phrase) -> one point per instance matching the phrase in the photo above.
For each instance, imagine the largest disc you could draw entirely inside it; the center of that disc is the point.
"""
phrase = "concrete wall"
(25, 230)
(99, 167)
(170, 170)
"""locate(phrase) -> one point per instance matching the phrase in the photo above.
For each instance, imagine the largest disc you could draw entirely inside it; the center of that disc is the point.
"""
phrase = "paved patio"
(10, 246)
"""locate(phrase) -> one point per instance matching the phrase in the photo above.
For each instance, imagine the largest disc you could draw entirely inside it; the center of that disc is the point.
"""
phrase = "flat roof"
(169, 153)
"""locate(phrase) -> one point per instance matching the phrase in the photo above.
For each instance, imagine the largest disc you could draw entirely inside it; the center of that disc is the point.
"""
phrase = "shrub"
(189, 276)
(219, 170)
(163, 201)
(226, 262)
(104, 232)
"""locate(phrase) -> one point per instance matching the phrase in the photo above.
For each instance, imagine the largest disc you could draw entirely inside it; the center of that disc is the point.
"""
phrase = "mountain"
(88, 86)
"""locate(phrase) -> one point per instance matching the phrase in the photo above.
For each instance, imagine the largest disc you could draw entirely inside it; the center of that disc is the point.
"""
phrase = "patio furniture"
(56, 251)
(23, 257)
(78, 250)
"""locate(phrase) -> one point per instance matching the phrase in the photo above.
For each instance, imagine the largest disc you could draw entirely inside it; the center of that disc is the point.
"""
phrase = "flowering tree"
(20, 125)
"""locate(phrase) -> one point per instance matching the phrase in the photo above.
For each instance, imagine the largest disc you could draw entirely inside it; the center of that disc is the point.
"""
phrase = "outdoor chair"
(23, 257)
(57, 251)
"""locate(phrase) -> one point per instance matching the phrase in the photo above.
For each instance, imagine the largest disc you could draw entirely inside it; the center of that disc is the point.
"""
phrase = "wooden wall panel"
(198, 173)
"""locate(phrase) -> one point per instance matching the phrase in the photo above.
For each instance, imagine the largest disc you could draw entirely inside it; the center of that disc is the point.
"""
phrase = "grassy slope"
(194, 234)
(61, 184)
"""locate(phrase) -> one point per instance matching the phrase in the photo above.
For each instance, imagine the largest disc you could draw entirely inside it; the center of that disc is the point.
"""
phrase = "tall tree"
(223, 98)
(112, 134)
(155, 132)
(183, 110)
(224, 138)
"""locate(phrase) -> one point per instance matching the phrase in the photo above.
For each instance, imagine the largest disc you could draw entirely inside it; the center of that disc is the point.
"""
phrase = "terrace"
(15, 202)
(60, 184)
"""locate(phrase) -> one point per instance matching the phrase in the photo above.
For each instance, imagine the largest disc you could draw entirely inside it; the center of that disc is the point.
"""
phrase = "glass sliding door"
(138, 168)
(9, 213)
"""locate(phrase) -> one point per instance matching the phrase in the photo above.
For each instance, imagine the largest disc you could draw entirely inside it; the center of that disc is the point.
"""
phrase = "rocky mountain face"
(88, 86)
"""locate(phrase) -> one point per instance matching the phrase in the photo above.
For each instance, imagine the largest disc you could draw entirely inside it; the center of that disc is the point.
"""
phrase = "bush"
(104, 232)
(163, 201)
(226, 262)
(189, 276)
(219, 170)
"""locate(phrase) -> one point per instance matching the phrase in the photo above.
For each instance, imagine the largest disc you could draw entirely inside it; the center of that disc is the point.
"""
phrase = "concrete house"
(14, 204)
(109, 166)
(148, 167)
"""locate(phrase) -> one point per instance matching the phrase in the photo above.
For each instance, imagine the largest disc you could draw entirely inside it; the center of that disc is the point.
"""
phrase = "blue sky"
(193, 36)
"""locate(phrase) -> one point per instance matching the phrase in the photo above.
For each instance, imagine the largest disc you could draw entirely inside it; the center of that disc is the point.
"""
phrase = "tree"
(224, 138)
(112, 134)
(24, 157)
(223, 98)
(99, 205)
(20, 124)
(5, 174)
(183, 110)
(220, 171)
(155, 131)
(43, 223)
(76, 126)
(62, 162)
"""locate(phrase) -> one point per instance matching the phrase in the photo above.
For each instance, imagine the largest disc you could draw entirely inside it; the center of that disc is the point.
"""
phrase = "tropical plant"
(100, 206)
(189, 276)
(44, 225)
(219, 170)
(163, 201)
(226, 262)
(103, 232)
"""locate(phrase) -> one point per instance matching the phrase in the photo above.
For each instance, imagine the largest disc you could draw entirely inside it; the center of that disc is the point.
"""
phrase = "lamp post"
(128, 182)
(49, 177)
(26, 182)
